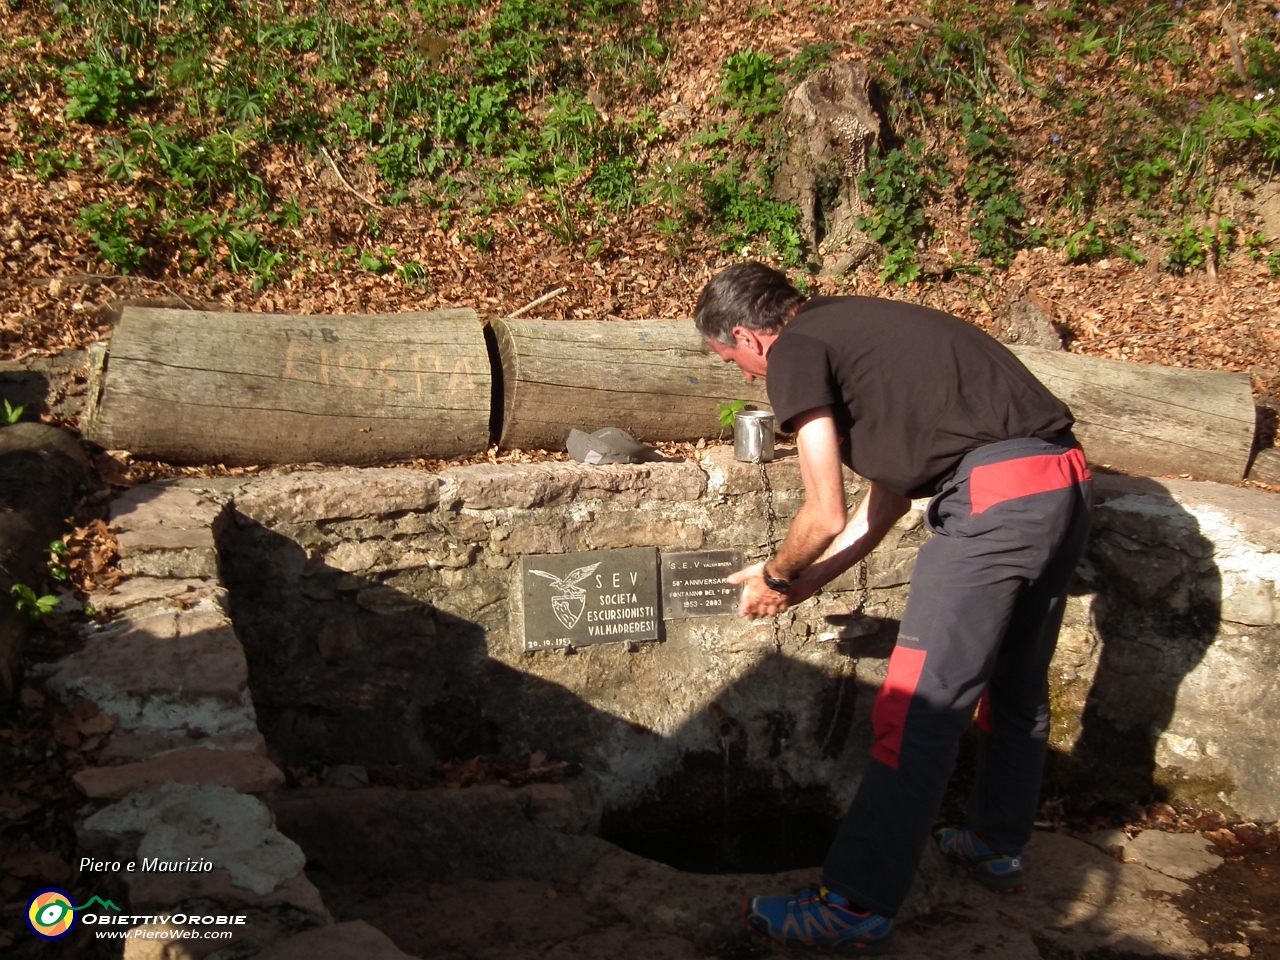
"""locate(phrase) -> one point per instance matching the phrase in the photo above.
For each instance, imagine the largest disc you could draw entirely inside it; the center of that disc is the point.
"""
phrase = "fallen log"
(653, 378)
(1152, 421)
(187, 386)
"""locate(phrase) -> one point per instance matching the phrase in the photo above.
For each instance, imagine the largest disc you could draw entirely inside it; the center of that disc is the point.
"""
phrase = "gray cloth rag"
(609, 445)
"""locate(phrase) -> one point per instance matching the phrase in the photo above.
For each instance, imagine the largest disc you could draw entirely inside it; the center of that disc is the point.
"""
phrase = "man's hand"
(758, 599)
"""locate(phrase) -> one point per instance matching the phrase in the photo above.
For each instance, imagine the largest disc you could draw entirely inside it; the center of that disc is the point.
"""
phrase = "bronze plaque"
(577, 599)
(693, 583)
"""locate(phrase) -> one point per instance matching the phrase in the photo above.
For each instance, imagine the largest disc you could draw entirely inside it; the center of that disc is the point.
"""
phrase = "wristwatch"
(776, 584)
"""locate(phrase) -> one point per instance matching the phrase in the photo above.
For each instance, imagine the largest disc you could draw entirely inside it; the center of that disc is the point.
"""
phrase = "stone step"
(168, 552)
(251, 861)
(162, 505)
(172, 671)
(158, 595)
(237, 769)
(337, 495)
(145, 743)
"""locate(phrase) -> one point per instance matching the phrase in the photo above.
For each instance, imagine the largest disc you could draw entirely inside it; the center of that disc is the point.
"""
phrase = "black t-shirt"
(912, 389)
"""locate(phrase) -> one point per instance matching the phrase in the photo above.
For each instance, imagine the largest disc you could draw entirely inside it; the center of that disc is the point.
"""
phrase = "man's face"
(748, 354)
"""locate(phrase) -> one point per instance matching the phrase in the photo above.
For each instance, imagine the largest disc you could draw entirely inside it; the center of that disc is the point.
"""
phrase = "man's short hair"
(749, 295)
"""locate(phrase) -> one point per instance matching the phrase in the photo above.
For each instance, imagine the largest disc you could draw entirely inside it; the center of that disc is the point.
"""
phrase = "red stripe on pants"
(997, 482)
(984, 713)
(889, 715)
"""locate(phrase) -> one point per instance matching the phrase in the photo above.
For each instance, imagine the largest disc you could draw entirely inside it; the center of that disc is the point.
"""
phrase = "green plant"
(56, 551)
(99, 91)
(997, 212)
(897, 184)
(114, 229)
(1191, 246)
(33, 606)
(11, 414)
(1273, 263)
(247, 251)
(725, 411)
(1145, 178)
(616, 184)
(1088, 241)
(812, 56)
(377, 261)
(750, 83)
(414, 275)
(745, 210)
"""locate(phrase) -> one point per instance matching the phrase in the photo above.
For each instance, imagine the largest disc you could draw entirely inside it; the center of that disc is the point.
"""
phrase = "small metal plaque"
(693, 583)
(577, 599)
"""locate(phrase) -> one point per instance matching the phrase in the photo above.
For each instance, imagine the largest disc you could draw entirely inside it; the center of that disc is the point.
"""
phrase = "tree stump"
(1029, 323)
(830, 125)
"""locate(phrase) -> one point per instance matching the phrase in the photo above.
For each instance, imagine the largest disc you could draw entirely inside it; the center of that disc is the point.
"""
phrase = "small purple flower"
(1062, 78)
(1195, 105)
(911, 95)
(1054, 137)
(1178, 4)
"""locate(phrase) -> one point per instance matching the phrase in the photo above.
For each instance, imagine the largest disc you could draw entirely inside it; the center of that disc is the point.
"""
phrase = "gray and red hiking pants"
(981, 623)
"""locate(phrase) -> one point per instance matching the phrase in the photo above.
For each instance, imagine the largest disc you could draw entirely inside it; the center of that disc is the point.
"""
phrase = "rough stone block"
(730, 476)
(181, 822)
(620, 532)
(169, 552)
(337, 495)
(139, 590)
(145, 743)
(541, 538)
(890, 568)
(1111, 842)
(241, 771)
(162, 505)
(157, 941)
(342, 941)
(357, 556)
(164, 671)
(526, 485)
(1183, 856)
(150, 890)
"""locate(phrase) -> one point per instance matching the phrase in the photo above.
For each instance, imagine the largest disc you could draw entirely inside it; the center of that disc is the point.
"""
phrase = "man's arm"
(820, 544)
(875, 516)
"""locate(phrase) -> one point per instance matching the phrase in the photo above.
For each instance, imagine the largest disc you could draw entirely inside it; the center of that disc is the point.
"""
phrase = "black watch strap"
(776, 584)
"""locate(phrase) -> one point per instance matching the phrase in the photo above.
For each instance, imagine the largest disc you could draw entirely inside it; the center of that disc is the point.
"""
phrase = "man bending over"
(923, 405)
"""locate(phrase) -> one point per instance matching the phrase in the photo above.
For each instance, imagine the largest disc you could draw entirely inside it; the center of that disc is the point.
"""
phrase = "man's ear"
(747, 338)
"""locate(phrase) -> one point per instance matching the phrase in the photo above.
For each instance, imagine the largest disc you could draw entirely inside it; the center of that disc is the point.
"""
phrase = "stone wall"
(397, 637)
(382, 623)
(377, 622)
(1169, 665)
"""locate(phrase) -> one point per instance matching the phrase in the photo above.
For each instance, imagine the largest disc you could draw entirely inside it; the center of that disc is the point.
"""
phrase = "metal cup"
(753, 435)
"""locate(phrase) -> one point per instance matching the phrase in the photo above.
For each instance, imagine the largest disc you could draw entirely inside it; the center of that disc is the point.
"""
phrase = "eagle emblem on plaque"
(569, 600)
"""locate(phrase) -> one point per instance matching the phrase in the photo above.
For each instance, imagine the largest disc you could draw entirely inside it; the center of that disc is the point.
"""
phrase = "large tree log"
(653, 378)
(1152, 421)
(192, 387)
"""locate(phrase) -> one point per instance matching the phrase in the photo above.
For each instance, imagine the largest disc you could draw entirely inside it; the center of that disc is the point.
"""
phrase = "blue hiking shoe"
(993, 870)
(820, 920)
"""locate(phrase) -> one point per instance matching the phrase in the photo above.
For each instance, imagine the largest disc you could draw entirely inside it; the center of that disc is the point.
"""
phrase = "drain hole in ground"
(757, 828)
